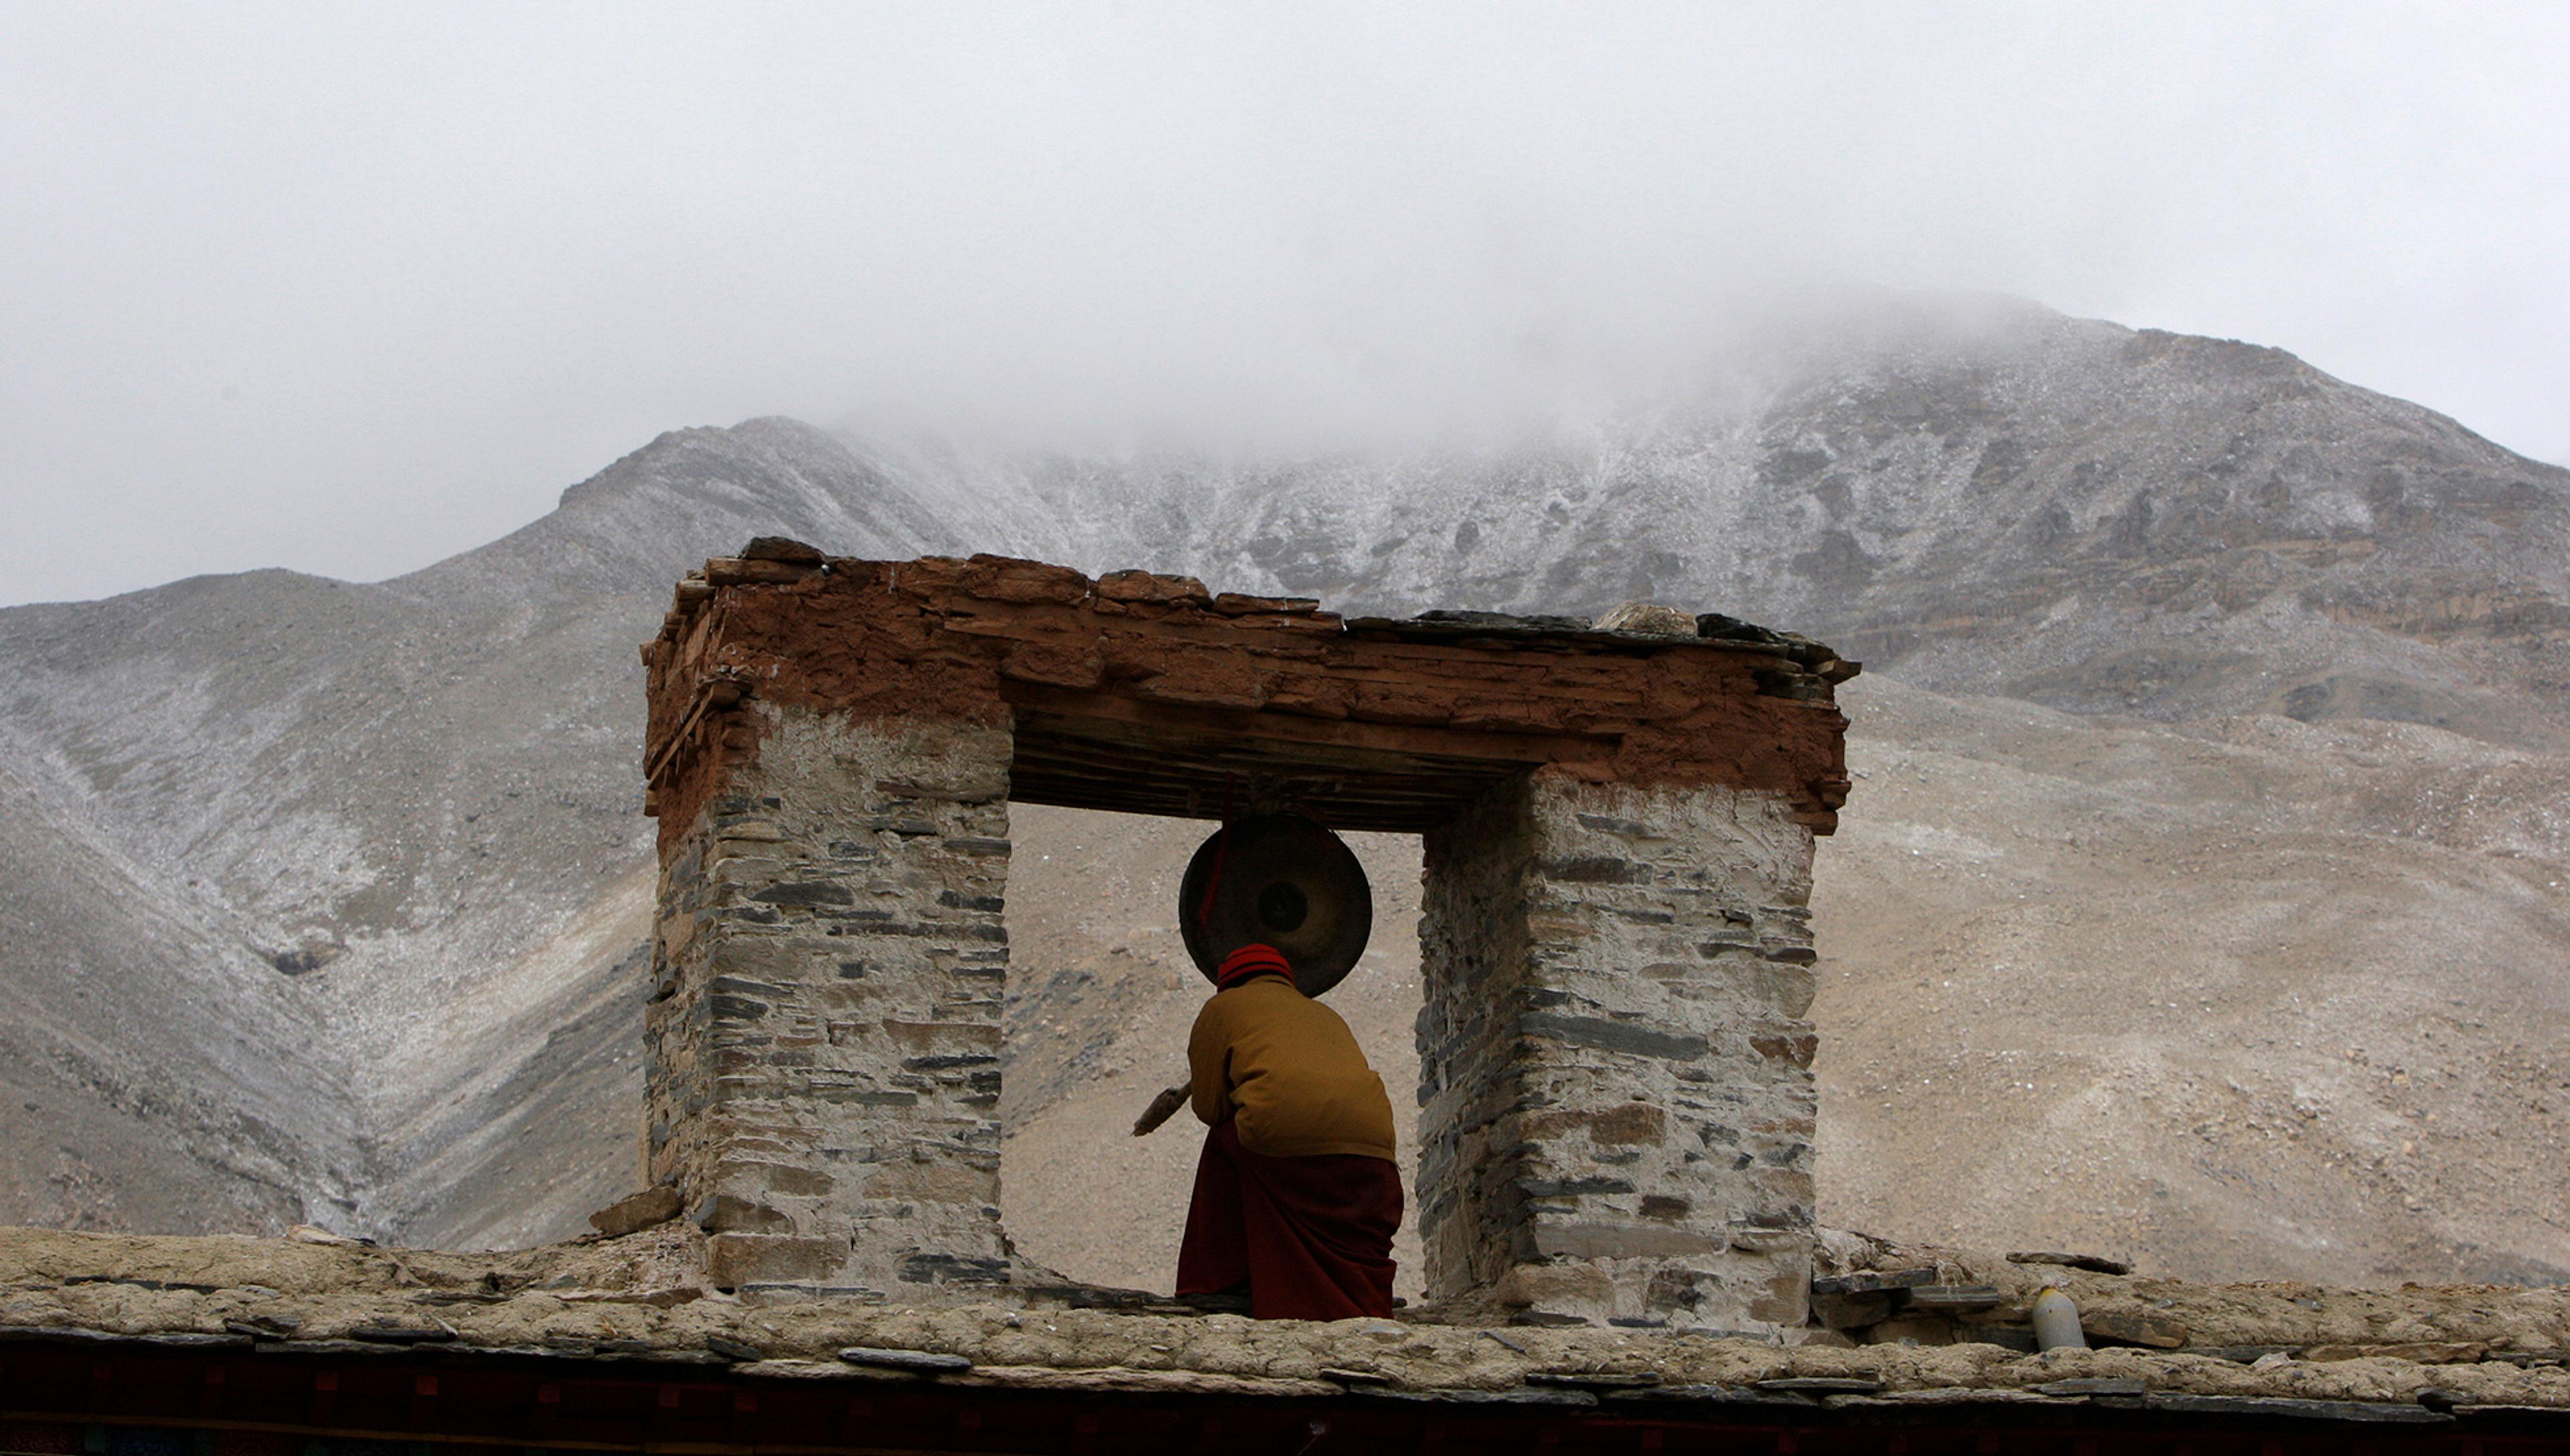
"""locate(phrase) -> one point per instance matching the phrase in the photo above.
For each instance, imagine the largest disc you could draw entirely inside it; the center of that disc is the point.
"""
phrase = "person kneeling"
(1297, 1193)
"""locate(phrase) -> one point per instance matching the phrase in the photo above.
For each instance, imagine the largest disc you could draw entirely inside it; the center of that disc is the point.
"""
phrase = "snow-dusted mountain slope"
(1998, 501)
(362, 869)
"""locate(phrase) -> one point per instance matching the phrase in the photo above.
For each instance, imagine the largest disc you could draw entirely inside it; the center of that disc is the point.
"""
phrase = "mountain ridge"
(419, 796)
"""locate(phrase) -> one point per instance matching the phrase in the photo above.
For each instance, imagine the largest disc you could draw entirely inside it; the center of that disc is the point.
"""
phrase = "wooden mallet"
(1163, 1108)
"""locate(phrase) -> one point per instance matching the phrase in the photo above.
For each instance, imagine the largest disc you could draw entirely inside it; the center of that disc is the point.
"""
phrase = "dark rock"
(925, 1363)
(400, 1334)
(1574, 1187)
(1821, 1385)
(1515, 1395)
(780, 548)
(1595, 1380)
(305, 959)
(2096, 1385)
(2323, 1410)
(1614, 1036)
(949, 1269)
(1720, 1395)
(2095, 1262)
(133, 1282)
(2437, 1397)
(952, 1061)
(1496, 622)
(1715, 625)
(808, 891)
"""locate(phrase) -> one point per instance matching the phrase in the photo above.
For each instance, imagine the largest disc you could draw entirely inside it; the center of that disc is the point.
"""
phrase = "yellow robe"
(1289, 1072)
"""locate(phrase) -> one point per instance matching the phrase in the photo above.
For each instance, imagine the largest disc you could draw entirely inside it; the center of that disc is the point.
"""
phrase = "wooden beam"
(1321, 742)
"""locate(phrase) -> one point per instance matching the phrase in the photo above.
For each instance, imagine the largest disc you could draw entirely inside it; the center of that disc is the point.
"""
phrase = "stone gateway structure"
(1616, 1100)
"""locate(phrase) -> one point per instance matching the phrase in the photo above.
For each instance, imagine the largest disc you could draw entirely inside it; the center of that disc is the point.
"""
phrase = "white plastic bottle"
(2056, 1323)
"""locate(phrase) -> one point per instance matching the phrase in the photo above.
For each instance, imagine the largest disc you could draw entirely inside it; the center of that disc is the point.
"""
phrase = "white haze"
(348, 288)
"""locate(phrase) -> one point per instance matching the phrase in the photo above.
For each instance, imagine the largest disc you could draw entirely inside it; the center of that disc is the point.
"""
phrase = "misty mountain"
(1983, 496)
(326, 900)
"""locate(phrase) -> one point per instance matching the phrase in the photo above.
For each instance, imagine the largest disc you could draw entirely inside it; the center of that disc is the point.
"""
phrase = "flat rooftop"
(633, 1346)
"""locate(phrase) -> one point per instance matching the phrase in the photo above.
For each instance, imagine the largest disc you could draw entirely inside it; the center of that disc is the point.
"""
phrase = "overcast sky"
(349, 288)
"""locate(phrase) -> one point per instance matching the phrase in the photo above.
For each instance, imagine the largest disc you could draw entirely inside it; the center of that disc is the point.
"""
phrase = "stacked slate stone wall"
(1616, 1093)
(1616, 1112)
(1466, 1198)
(825, 1019)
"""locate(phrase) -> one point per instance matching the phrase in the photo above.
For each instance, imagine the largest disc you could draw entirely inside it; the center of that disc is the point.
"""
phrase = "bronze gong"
(1283, 880)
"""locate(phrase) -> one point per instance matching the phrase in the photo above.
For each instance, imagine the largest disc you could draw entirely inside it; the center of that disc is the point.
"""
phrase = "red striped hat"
(1250, 962)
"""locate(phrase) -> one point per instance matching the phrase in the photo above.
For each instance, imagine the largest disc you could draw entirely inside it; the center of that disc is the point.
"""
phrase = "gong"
(1281, 880)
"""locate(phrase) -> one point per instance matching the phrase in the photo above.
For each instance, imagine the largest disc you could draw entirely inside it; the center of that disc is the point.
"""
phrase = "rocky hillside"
(2216, 684)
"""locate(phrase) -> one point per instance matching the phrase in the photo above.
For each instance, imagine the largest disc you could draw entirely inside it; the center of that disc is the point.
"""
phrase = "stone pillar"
(1615, 1087)
(824, 1028)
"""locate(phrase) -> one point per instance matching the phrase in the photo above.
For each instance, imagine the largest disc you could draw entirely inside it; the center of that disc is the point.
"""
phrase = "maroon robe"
(1310, 1237)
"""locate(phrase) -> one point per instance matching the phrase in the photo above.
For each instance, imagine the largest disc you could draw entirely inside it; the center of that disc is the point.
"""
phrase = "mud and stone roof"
(2466, 1359)
(1149, 695)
